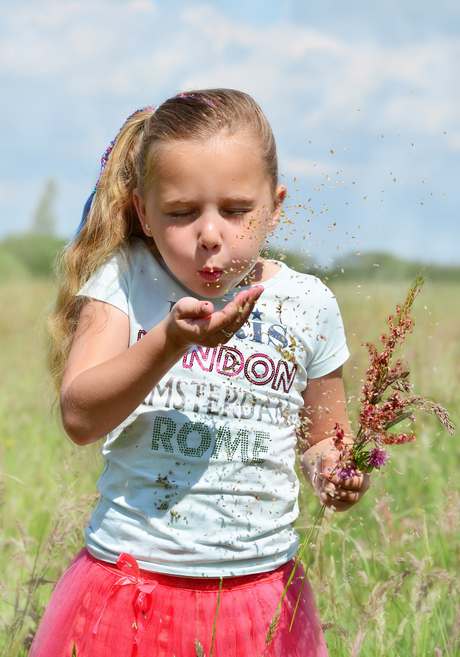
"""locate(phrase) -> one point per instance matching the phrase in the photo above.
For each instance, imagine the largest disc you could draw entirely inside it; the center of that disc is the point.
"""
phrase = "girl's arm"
(324, 406)
(106, 380)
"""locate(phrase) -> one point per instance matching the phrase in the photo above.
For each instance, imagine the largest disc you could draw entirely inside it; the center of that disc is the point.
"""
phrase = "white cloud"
(104, 47)
(50, 39)
(84, 65)
(333, 78)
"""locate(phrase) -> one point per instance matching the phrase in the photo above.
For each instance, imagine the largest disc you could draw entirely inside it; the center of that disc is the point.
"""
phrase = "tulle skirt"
(102, 610)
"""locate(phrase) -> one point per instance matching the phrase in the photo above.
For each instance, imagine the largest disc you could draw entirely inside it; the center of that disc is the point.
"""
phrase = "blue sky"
(363, 97)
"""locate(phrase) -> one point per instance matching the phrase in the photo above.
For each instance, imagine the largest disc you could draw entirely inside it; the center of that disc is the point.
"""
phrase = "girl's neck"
(262, 272)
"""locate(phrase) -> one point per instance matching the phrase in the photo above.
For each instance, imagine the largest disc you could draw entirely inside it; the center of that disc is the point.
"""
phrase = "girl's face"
(209, 209)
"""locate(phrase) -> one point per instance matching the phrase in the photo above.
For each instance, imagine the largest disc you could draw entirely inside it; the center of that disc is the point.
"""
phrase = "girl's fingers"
(199, 324)
(326, 473)
(342, 494)
(236, 313)
(339, 499)
(191, 308)
(359, 482)
(336, 504)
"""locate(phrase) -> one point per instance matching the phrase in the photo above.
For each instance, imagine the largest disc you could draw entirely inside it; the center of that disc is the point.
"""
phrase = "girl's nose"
(209, 234)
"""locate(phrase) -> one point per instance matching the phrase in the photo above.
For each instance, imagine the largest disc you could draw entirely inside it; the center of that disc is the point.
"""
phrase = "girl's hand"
(325, 406)
(335, 493)
(193, 322)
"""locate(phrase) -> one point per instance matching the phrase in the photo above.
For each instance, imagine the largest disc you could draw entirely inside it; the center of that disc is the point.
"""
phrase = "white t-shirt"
(199, 480)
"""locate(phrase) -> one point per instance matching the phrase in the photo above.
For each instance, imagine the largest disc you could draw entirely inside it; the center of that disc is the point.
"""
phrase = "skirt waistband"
(211, 584)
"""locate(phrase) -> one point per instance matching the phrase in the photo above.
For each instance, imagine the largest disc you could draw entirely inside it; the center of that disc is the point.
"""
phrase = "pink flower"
(399, 439)
(377, 458)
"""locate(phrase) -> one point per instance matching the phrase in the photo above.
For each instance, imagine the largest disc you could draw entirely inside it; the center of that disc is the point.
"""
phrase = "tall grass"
(385, 574)
(46, 489)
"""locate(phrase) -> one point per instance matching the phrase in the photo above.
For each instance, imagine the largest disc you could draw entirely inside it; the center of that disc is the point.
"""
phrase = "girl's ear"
(280, 195)
(140, 207)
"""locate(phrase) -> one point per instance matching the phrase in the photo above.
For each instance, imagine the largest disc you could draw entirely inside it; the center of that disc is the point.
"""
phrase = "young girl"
(190, 353)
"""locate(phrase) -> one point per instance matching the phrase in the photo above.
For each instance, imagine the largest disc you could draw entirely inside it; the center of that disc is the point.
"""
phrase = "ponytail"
(109, 221)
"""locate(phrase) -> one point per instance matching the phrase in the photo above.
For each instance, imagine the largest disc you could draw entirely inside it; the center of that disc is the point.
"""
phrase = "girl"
(190, 353)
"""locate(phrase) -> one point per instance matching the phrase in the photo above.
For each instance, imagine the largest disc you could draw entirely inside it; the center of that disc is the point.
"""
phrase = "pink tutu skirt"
(102, 610)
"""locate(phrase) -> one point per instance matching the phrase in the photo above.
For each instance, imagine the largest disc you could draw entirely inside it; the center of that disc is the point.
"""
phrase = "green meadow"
(386, 574)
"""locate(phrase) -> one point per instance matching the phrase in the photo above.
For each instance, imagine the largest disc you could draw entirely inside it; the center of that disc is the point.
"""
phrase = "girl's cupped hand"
(194, 322)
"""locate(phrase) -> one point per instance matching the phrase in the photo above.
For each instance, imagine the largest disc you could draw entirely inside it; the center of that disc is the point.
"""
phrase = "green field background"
(385, 575)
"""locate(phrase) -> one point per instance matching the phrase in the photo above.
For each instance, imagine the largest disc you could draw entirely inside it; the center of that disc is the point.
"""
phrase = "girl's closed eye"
(231, 214)
(184, 214)
(235, 213)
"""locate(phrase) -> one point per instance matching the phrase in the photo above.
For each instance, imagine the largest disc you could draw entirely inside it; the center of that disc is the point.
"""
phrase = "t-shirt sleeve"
(109, 284)
(331, 349)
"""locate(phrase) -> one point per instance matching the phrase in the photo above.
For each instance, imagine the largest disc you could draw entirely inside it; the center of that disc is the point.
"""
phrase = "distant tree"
(44, 219)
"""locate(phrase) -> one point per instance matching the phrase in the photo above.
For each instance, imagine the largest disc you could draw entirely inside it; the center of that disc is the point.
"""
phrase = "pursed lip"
(210, 274)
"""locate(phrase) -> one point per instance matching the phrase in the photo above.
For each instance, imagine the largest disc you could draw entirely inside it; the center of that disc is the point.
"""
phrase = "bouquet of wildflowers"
(382, 408)
(380, 413)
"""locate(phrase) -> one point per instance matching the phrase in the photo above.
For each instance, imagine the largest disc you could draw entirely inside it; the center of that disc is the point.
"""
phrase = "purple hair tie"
(196, 97)
(104, 159)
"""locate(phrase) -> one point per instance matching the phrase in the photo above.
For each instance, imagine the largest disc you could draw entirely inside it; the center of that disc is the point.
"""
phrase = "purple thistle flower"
(345, 471)
(377, 458)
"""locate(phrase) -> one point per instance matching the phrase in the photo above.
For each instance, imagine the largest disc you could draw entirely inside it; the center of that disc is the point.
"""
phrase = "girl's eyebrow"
(234, 200)
(244, 200)
(178, 201)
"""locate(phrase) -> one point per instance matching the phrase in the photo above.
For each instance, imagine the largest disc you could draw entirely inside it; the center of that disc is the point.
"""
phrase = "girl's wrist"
(310, 466)
(176, 345)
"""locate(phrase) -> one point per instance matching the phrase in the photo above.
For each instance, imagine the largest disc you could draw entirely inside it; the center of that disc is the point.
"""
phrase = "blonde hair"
(112, 221)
